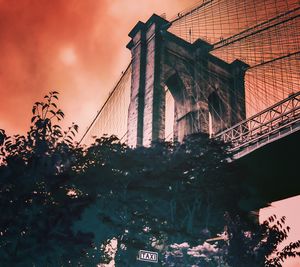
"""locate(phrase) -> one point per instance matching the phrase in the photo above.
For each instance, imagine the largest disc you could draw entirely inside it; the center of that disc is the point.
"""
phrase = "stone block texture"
(209, 93)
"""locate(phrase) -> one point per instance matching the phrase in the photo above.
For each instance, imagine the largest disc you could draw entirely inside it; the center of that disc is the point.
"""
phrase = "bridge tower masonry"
(209, 94)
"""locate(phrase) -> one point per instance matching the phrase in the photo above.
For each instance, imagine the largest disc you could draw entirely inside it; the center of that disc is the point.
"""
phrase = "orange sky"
(75, 47)
(289, 208)
(78, 48)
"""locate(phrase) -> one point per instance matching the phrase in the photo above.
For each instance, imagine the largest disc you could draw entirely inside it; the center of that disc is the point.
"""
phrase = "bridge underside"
(272, 172)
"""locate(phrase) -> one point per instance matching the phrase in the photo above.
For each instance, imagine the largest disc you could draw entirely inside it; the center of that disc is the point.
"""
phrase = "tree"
(152, 197)
(64, 203)
(240, 244)
(37, 208)
(256, 246)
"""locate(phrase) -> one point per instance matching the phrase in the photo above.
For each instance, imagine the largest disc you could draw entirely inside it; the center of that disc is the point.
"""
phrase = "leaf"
(45, 106)
(69, 137)
(8, 143)
(68, 141)
(33, 119)
(59, 112)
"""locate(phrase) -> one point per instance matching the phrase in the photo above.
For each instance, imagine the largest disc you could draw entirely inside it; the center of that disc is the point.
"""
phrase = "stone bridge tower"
(208, 93)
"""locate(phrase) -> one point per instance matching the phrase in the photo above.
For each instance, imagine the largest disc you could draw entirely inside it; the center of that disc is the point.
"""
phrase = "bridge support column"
(146, 110)
(208, 92)
(136, 106)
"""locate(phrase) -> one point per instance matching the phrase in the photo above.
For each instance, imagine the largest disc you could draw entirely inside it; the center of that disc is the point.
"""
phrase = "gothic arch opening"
(217, 111)
(176, 109)
(169, 115)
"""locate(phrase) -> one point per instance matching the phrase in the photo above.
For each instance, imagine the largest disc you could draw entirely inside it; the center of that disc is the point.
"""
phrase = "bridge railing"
(283, 114)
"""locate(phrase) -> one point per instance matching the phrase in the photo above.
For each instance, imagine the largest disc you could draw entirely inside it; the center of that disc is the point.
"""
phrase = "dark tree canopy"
(63, 203)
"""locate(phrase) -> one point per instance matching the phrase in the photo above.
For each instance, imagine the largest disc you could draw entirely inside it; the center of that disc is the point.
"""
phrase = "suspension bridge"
(227, 68)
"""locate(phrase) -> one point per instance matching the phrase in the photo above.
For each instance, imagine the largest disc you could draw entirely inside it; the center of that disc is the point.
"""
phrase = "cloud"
(76, 47)
(33, 34)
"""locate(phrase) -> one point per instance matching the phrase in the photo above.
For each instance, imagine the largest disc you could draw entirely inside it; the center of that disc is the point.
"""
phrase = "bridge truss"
(262, 33)
(274, 122)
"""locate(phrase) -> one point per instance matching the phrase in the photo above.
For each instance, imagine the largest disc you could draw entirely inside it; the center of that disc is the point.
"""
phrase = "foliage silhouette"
(239, 245)
(63, 203)
(37, 212)
(152, 197)
(255, 247)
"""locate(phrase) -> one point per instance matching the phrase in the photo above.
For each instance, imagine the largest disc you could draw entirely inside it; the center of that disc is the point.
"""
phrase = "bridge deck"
(279, 120)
